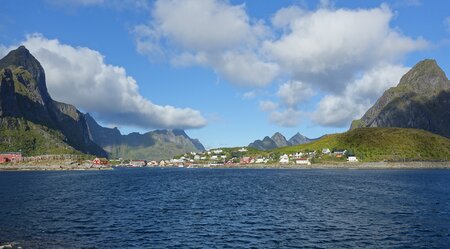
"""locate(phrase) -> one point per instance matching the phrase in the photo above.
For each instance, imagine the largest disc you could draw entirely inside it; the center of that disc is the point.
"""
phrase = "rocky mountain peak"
(425, 76)
(22, 58)
(280, 140)
(420, 100)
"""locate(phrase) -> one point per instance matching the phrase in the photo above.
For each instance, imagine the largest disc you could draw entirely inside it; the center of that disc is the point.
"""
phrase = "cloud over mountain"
(326, 52)
(80, 76)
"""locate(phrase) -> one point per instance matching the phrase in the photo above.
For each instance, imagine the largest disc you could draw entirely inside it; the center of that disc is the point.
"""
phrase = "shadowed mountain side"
(154, 145)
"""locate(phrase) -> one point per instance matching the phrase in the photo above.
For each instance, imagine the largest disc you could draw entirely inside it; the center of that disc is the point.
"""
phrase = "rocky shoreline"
(346, 165)
(53, 165)
(71, 165)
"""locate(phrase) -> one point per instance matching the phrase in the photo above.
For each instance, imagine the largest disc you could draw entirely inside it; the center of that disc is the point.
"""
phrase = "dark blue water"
(229, 208)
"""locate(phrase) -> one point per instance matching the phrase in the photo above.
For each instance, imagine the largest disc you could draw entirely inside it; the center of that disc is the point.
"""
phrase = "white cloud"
(284, 16)
(340, 109)
(329, 47)
(447, 24)
(80, 76)
(268, 106)
(292, 93)
(286, 118)
(326, 50)
(210, 33)
(249, 95)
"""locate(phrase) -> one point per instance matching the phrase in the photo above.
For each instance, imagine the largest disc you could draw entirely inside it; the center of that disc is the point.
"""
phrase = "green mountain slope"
(18, 134)
(24, 96)
(378, 144)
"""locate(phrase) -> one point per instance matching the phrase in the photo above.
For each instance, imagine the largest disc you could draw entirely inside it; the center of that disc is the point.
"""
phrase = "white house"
(303, 161)
(214, 157)
(242, 150)
(197, 157)
(217, 151)
(260, 160)
(326, 151)
(284, 159)
(223, 157)
(352, 159)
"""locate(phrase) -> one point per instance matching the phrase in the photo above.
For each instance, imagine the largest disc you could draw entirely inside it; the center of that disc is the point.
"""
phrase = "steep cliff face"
(421, 100)
(24, 95)
(154, 145)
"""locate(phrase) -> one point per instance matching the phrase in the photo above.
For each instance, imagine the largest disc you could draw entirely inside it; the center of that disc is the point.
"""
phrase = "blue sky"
(228, 72)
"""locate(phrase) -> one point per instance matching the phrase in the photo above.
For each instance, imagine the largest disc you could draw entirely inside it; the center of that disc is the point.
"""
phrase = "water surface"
(226, 208)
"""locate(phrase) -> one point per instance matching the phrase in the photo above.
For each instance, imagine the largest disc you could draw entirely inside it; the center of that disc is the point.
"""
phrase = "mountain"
(278, 140)
(382, 144)
(30, 120)
(154, 145)
(421, 100)
(299, 139)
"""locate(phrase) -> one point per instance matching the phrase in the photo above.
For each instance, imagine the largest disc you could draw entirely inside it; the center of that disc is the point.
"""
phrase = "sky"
(227, 71)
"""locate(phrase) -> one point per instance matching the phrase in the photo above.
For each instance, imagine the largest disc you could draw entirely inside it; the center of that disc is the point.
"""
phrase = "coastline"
(59, 165)
(65, 166)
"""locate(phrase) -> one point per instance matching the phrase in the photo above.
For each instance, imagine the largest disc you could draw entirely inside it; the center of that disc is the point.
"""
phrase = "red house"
(100, 161)
(10, 157)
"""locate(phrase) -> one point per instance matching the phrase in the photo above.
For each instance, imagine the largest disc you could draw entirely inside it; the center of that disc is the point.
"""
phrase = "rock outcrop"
(421, 100)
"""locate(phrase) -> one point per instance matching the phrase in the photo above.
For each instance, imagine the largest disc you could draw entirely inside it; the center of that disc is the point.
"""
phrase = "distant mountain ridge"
(153, 145)
(278, 140)
(421, 100)
(31, 121)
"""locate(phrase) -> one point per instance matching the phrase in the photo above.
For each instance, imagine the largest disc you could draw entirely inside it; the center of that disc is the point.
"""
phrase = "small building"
(242, 150)
(303, 161)
(10, 157)
(214, 158)
(339, 153)
(284, 159)
(138, 163)
(326, 151)
(352, 158)
(245, 160)
(100, 161)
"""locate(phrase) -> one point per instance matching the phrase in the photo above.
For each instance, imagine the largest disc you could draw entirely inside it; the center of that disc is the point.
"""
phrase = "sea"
(226, 208)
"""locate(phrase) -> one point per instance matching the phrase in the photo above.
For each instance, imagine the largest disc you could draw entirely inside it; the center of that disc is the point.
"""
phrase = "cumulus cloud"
(293, 93)
(328, 50)
(268, 106)
(340, 109)
(287, 118)
(328, 47)
(211, 33)
(80, 76)
(284, 16)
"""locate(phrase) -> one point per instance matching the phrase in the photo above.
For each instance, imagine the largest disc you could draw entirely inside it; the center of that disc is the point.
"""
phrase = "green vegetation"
(382, 144)
(17, 134)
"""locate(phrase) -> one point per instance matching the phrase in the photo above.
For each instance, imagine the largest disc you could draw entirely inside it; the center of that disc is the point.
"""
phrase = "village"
(230, 157)
(227, 157)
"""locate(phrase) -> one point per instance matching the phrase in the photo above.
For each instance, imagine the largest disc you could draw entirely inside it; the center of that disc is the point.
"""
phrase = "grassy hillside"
(17, 134)
(377, 144)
